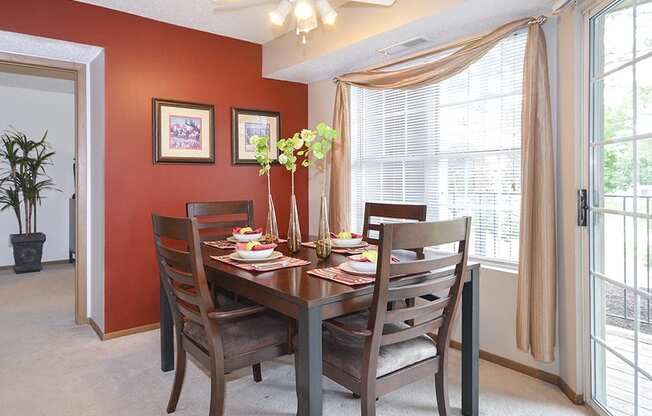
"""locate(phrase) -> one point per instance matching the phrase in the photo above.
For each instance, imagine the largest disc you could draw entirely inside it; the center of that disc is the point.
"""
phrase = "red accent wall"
(145, 59)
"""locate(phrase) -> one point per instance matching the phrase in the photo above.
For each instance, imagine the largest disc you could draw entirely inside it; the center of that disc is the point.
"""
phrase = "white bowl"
(255, 254)
(245, 238)
(346, 242)
(362, 266)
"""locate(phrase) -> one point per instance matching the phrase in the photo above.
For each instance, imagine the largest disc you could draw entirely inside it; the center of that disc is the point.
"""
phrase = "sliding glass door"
(621, 207)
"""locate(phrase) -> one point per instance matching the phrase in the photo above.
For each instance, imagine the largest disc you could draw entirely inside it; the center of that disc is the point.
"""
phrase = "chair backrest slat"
(421, 266)
(412, 236)
(190, 314)
(208, 217)
(227, 225)
(412, 332)
(179, 276)
(417, 312)
(410, 212)
(186, 295)
(420, 289)
(179, 258)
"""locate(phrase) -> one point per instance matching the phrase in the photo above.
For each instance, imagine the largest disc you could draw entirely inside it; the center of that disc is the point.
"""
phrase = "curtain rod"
(439, 48)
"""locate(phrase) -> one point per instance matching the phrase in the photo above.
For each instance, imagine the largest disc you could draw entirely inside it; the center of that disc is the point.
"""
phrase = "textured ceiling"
(246, 23)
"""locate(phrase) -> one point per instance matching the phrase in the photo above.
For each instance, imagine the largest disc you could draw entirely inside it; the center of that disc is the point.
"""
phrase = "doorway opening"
(74, 73)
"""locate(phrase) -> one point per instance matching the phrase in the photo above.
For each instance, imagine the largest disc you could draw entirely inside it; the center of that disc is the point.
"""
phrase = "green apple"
(251, 245)
(345, 235)
(371, 255)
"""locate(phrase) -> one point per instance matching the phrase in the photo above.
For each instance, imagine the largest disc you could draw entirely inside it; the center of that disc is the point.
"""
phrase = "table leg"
(308, 363)
(167, 333)
(471, 345)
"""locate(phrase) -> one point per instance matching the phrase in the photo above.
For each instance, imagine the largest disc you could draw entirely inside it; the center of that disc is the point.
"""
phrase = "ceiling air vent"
(403, 46)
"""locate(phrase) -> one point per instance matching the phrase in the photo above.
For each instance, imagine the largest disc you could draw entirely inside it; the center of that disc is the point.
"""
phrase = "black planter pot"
(28, 251)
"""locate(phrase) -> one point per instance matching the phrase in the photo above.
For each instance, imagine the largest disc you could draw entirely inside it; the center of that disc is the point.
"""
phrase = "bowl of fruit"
(346, 239)
(254, 250)
(246, 234)
(364, 262)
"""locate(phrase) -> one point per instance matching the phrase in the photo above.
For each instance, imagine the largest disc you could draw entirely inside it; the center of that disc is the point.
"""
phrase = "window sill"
(503, 266)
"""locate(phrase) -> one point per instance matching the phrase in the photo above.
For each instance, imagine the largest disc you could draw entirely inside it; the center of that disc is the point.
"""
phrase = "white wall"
(33, 104)
(498, 287)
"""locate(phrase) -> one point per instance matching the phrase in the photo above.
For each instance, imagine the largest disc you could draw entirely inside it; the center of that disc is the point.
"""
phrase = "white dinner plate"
(275, 255)
(346, 267)
(359, 245)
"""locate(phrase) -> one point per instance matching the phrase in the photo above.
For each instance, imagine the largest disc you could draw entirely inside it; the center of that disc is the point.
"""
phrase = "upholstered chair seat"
(346, 351)
(243, 335)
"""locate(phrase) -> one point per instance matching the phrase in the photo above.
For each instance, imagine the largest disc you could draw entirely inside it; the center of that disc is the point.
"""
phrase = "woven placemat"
(278, 264)
(337, 275)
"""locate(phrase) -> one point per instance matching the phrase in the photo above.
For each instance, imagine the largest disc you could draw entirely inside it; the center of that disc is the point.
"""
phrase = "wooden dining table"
(310, 300)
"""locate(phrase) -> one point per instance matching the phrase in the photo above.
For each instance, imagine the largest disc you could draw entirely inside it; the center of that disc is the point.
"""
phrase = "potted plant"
(265, 162)
(317, 144)
(288, 159)
(23, 182)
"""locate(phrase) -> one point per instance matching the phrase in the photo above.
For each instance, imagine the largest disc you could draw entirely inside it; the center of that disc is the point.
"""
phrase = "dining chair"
(219, 339)
(376, 351)
(216, 219)
(414, 212)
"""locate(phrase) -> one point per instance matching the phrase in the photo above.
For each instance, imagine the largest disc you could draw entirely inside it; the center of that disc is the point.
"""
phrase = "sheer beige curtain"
(536, 294)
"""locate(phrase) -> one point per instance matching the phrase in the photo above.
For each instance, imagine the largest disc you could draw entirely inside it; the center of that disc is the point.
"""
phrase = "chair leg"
(217, 392)
(368, 404)
(441, 389)
(258, 374)
(179, 375)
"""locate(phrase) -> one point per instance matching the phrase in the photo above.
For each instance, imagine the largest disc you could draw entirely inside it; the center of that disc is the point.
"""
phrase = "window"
(454, 146)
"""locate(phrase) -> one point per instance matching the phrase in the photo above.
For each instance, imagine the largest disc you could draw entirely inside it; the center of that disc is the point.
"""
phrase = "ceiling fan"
(305, 11)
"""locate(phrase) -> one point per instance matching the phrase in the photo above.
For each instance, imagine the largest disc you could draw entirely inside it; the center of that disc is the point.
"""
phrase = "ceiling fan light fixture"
(327, 12)
(303, 9)
(280, 13)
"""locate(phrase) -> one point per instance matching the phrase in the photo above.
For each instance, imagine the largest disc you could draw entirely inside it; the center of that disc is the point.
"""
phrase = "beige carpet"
(49, 366)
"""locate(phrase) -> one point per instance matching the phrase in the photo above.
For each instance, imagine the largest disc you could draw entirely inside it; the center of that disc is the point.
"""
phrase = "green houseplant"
(317, 144)
(23, 183)
(265, 162)
(288, 159)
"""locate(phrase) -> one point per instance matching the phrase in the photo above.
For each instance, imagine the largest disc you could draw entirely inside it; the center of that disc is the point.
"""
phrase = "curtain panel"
(536, 303)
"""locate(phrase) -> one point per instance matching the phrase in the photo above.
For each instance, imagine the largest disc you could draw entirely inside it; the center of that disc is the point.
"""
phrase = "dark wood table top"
(295, 285)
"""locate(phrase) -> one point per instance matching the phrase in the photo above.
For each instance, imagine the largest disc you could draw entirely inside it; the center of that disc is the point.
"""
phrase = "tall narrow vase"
(323, 243)
(294, 232)
(271, 231)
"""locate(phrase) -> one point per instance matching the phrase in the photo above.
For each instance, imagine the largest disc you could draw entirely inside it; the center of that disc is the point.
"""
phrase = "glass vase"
(271, 231)
(294, 232)
(323, 243)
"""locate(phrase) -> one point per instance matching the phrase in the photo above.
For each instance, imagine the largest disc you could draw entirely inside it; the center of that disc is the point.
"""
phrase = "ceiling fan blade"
(232, 5)
(376, 2)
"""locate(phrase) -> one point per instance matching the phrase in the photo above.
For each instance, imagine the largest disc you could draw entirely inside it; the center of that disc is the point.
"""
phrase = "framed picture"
(248, 123)
(183, 132)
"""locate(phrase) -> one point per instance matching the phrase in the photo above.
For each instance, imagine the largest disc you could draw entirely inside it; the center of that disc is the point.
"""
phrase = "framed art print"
(248, 123)
(183, 132)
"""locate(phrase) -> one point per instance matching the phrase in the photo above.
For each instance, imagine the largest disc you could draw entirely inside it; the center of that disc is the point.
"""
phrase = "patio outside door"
(620, 143)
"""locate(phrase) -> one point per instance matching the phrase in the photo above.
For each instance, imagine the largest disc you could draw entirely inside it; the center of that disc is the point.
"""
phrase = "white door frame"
(87, 63)
(588, 9)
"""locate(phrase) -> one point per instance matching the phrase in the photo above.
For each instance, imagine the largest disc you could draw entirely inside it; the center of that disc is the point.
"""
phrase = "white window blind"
(454, 146)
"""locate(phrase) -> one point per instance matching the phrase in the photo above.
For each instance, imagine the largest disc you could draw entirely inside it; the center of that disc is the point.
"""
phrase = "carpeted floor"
(49, 366)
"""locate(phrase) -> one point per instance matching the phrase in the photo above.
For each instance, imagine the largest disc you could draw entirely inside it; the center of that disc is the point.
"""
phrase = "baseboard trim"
(575, 398)
(131, 331)
(96, 328)
(44, 263)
